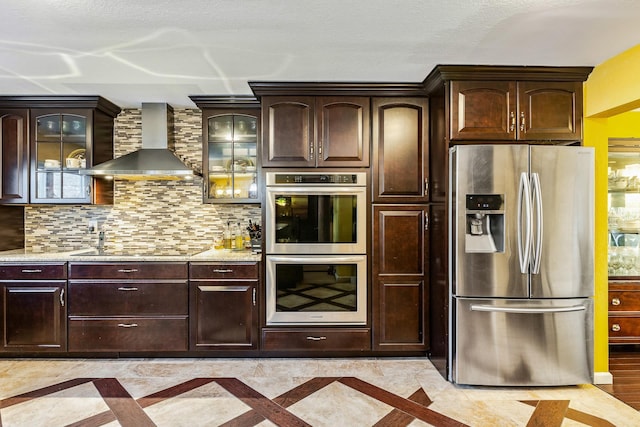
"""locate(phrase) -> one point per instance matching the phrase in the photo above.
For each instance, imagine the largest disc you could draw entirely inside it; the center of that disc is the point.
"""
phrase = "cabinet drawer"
(33, 271)
(128, 334)
(127, 299)
(224, 270)
(624, 300)
(316, 339)
(624, 329)
(129, 270)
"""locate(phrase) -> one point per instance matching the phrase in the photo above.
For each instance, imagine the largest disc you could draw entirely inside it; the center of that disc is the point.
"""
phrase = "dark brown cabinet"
(47, 141)
(400, 277)
(33, 307)
(128, 307)
(224, 306)
(14, 147)
(516, 110)
(400, 150)
(309, 131)
(624, 312)
(231, 148)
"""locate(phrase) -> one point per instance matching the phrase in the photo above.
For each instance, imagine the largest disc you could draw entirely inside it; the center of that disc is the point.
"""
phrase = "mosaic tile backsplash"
(145, 214)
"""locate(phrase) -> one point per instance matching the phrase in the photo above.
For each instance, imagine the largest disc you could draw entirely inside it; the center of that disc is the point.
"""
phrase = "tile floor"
(283, 392)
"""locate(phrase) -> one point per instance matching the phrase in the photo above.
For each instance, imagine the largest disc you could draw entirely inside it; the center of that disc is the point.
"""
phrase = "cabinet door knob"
(615, 301)
(513, 122)
(522, 122)
(615, 327)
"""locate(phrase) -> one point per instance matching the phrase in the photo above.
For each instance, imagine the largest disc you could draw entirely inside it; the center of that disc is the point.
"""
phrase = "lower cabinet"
(400, 274)
(316, 339)
(33, 307)
(224, 307)
(128, 306)
(624, 312)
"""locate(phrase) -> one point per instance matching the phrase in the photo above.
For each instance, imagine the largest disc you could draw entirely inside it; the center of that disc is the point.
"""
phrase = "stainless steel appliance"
(315, 243)
(521, 265)
(316, 212)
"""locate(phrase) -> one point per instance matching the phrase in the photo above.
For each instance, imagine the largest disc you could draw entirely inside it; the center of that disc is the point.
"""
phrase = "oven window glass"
(316, 218)
(316, 287)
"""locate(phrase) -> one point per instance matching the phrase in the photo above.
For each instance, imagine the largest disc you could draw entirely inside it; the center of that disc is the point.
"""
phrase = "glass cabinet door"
(60, 152)
(232, 158)
(624, 213)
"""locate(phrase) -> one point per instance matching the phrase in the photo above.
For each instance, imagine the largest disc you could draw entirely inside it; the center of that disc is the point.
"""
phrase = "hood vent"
(155, 160)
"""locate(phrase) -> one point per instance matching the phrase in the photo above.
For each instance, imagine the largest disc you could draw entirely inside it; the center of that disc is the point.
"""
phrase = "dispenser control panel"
(485, 202)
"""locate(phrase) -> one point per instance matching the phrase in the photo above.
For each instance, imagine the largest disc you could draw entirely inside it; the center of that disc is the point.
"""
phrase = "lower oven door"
(316, 289)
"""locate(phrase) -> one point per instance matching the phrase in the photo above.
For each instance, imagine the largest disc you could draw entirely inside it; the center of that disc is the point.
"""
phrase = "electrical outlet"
(93, 226)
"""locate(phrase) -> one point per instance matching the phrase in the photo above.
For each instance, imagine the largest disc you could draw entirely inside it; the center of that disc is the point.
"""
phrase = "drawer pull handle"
(128, 270)
(127, 325)
(316, 338)
(125, 288)
(615, 301)
(221, 270)
(35, 270)
(615, 327)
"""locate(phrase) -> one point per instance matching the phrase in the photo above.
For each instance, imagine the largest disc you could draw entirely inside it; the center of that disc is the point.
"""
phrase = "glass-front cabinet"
(231, 157)
(624, 211)
(59, 152)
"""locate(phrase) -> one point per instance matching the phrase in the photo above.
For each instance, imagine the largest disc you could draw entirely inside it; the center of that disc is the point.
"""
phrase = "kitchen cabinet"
(310, 131)
(14, 175)
(224, 305)
(230, 130)
(33, 307)
(400, 277)
(400, 150)
(128, 306)
(49, 139)
(309, 340)
(516, 110)
(624, 311)
(624, 241)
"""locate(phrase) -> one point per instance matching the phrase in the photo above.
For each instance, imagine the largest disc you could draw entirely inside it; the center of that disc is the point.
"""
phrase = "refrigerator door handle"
(521, 310)
(537, 198)
(524, 250)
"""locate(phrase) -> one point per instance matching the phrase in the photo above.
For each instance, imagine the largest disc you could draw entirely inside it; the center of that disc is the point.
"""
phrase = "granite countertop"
(22, 255)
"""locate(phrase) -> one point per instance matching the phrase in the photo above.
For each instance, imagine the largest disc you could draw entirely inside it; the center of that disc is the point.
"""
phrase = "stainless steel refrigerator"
(521, 265)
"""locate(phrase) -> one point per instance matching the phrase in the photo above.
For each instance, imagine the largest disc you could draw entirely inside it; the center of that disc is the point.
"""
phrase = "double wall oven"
(315, 243)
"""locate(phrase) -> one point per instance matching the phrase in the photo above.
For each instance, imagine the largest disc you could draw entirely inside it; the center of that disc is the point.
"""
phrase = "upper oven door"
(316, 220)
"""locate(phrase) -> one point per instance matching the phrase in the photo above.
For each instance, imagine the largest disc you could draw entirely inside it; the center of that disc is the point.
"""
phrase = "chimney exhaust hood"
(155, 160)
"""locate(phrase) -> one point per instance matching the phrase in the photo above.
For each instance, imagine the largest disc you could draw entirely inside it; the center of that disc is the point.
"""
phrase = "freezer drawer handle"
(492, 308)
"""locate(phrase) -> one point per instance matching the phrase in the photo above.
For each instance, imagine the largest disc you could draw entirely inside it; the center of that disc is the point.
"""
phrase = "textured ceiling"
(133, 51)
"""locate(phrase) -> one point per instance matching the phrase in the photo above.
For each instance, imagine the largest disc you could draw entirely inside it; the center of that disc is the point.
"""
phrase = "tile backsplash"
(144, 214)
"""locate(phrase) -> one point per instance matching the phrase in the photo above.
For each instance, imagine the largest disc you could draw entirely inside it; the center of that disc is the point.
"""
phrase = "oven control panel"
(284, 178)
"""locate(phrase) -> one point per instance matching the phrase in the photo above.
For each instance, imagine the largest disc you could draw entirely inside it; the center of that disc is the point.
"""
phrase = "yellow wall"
(613, 88)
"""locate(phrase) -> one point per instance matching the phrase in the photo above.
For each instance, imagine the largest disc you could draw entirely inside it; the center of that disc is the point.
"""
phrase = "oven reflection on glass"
(316, 287)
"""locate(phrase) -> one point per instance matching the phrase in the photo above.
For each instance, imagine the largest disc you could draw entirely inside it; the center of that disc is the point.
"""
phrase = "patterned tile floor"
(281, 392)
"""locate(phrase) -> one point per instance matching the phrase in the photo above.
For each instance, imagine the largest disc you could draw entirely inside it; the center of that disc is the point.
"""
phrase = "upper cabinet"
(230, 156)
(400, 150)
(516, 110)
(500, 104)
(315, 131)
(46, 141)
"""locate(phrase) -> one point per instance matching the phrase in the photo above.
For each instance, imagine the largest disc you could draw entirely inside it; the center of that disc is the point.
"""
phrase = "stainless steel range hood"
(155, 160)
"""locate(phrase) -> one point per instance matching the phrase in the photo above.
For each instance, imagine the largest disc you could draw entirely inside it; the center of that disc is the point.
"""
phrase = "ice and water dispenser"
(484, 223)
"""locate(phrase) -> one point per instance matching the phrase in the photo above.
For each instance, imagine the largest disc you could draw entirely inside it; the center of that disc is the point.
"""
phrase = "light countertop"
(22, 255)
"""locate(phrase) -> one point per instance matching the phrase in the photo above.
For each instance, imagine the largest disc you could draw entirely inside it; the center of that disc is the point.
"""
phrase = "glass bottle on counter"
(227, 236)
(239, 239)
